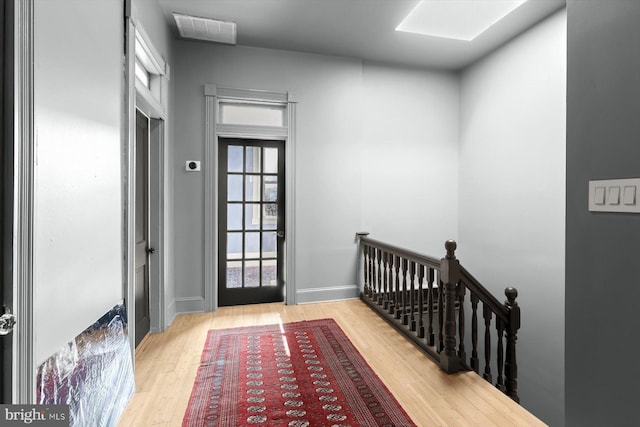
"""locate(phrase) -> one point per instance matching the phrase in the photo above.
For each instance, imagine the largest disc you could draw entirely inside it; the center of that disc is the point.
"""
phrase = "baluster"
(371, 272)
(461, 322)
(420, 300)
(379, 276)
(365, 270)
(486, 313)
(475, 363)
(511, 367)
(385, 301)
(401, 295)
(391, 305)
(403, 310)
(440, 315)
(396, 298)
(430, 278)
(375, 273)
(398, 311)
(500, 356)
(370, 269)
(412, 297)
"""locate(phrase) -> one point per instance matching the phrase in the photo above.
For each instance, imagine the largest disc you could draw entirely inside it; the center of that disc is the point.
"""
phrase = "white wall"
(410, 157)
(78, 187)
(512, 196)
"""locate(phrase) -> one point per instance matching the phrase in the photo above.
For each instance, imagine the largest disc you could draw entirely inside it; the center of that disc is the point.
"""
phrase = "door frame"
(153, 102)
(214, 95)
(23, 199)
(156, 218)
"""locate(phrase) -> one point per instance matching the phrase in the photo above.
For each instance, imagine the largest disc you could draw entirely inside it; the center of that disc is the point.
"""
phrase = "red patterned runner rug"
(294, 374)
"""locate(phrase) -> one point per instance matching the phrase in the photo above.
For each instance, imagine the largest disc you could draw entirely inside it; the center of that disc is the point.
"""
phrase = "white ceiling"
(355, 28)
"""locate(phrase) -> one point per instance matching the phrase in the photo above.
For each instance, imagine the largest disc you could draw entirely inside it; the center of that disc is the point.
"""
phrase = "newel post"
(510, 365)
(450, 275)
(361, 269)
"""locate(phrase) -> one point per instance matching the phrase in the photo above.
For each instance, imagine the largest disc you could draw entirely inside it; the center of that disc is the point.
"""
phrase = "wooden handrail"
(409, 288)
(407, 254)
(484, 295)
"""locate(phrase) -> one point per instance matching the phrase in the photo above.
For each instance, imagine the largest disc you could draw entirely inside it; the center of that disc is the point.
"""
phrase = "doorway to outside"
(251, 221)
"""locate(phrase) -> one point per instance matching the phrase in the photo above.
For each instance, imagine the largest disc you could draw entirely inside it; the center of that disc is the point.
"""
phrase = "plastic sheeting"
(93, 374)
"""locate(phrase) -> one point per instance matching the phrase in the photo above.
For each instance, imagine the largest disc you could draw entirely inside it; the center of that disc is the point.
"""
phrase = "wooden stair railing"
(424, 298)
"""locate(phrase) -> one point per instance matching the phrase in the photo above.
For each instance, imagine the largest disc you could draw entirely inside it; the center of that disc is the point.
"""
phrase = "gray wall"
(78, 186)
(602, 269)
(340, 135)
(512, 197)
(328, 187)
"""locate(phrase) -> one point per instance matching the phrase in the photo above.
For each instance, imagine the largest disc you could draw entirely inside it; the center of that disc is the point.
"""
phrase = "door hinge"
(7, 322)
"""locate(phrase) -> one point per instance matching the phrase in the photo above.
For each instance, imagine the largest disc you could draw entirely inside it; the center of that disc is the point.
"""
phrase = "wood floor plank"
(166, 366)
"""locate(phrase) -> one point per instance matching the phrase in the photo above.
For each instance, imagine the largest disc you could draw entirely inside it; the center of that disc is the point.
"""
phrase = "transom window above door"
(238, 113)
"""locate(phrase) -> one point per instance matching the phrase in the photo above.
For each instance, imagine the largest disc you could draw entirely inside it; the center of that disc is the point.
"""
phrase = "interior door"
(142, 318)
(251, 221)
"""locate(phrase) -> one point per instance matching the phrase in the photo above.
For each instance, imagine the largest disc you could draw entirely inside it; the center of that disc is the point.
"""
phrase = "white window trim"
(142, 74)
(146, 52)
(213, 96)
(152, 97)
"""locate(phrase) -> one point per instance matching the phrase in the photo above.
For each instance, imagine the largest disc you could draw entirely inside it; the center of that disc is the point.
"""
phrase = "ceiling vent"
(213, 30)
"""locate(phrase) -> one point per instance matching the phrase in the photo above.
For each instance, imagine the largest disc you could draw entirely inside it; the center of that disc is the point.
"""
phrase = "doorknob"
(7, 322)
(280, 234)
(150, 250)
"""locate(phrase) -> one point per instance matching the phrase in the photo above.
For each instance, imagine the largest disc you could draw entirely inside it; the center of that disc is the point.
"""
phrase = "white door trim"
(129, 186)
(24, 148)
(213, 95)
(157, 225)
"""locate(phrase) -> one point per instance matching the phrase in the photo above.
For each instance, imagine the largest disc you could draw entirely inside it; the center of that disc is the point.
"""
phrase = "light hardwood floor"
(166, 366)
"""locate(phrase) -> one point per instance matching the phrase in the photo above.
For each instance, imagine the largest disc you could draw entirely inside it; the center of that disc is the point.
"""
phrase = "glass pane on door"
(269, 268)
(271, 160)
(235, 158)
(234, 274)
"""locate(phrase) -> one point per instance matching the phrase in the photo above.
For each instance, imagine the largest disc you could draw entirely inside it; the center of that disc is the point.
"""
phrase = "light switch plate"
(614, 195)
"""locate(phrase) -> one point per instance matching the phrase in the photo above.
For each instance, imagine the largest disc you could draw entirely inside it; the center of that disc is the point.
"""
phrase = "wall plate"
(615, 195)
(192, 166)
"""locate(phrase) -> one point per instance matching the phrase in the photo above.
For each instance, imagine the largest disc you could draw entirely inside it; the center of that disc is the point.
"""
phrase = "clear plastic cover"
(93, 374)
